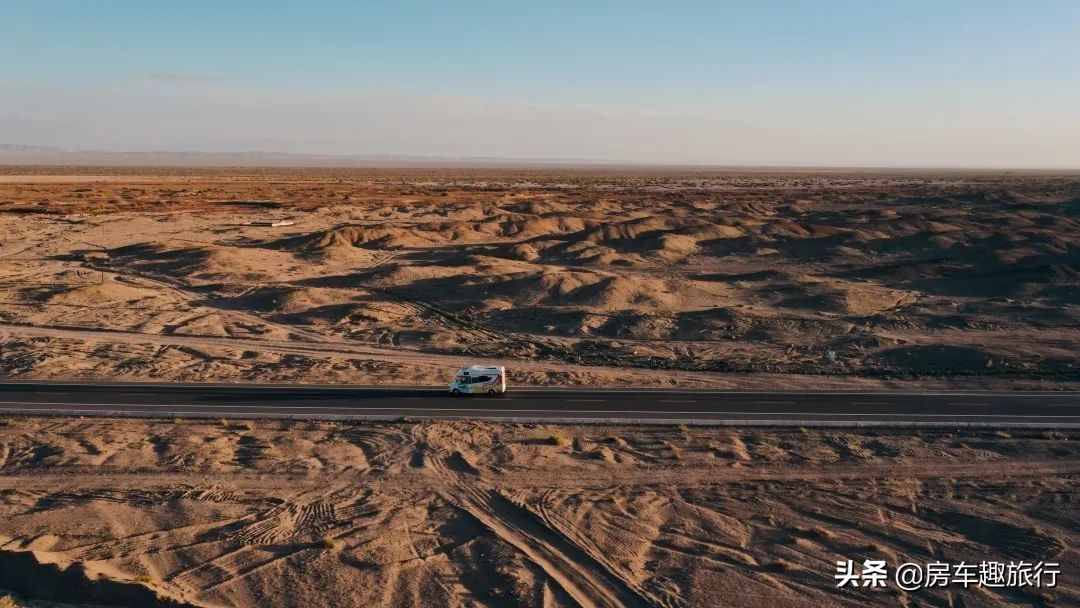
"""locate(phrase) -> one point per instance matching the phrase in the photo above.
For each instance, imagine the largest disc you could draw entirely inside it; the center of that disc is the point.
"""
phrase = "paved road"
(946, 409)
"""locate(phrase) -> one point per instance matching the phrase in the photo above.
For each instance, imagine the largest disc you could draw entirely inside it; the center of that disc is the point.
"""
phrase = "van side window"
(483, 379)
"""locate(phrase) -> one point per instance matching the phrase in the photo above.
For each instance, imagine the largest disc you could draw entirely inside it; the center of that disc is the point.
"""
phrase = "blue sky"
(907, 83)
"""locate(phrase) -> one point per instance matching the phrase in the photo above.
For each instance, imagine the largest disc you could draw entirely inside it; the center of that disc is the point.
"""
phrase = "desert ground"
(294, 513)
(815, 279)
(688, 278)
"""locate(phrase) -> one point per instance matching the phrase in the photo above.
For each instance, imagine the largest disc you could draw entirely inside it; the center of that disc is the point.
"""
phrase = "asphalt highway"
(941, 409)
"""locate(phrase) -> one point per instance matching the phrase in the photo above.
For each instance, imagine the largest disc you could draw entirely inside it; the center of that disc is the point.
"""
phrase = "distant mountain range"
(33, 155)
(19, 154)
(20, 148)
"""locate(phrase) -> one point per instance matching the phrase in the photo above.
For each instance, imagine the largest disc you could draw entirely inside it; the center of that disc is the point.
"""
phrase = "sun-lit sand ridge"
(575, 278)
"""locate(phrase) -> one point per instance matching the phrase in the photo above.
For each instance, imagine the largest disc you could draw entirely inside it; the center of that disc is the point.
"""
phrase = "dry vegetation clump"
(558, 439)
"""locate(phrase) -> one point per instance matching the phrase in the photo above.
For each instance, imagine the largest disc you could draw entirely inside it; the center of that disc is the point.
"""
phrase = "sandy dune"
(238, 513)
(572, 277)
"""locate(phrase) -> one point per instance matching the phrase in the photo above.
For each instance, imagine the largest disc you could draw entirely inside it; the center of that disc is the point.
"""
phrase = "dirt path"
(592, 583)
(581, 478)
(331, 348)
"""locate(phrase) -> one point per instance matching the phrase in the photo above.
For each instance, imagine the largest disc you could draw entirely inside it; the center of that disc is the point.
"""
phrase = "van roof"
(485, 368)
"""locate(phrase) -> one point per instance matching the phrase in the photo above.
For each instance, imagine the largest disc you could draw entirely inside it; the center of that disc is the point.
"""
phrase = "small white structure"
(272, 223)
(479, 380)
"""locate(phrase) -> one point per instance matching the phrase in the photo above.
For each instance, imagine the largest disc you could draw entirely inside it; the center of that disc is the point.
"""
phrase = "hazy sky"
(915, 83)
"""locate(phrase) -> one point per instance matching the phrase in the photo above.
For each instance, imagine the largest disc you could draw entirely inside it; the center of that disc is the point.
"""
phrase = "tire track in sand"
(589, 582)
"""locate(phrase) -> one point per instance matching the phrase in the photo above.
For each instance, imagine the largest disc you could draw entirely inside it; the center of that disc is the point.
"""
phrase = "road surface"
(942, 409)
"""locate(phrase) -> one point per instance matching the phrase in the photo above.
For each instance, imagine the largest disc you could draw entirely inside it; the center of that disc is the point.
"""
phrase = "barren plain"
(751, 279)
(572, 277)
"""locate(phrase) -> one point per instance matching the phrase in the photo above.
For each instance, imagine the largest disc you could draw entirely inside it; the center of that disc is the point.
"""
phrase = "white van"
(479, 380)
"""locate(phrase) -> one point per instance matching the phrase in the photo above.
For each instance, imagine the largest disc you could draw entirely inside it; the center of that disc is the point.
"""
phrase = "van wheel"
(493, 393)
(455, 392)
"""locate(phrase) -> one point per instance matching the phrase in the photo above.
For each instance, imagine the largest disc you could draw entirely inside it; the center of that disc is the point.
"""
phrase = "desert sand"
(688, 278)
(293, 513)
(570, 277)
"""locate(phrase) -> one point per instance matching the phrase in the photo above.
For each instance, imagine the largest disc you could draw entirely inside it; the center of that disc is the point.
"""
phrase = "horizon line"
(39, 156)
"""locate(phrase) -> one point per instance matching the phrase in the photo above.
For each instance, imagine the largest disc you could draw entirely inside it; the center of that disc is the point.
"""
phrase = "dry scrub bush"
(560, 438)
(551, 436)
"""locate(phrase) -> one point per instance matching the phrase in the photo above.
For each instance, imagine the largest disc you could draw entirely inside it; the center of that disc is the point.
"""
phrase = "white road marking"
(540, 389)
(678, 401)
(331, 409)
